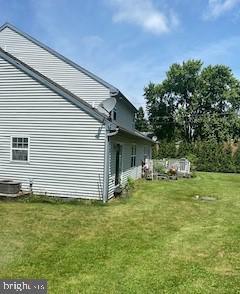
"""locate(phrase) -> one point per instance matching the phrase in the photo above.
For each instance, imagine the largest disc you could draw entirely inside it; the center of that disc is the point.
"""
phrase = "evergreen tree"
(141, 123)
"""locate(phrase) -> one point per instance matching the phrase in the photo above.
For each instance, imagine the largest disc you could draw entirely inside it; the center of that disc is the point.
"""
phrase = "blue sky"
(132, 42)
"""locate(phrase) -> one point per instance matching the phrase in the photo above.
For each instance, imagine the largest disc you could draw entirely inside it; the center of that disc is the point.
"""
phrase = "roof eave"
(53, 86)
(135, 133)
(113, 90)
(60, 56)
(117, 93)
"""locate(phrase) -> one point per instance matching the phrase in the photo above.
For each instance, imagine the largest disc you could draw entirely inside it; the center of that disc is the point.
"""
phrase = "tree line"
(194, 112)
(193, 103)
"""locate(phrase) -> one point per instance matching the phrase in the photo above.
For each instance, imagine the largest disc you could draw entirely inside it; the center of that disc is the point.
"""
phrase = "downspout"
(106, 161)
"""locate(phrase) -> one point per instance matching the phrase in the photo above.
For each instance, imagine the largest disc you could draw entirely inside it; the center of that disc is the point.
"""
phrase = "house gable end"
(53, 65)
(60, 56)
(113, 91)
(52, 85)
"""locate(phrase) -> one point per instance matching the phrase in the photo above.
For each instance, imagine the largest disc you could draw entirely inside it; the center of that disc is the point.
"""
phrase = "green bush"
(193, 159)
(210, 156)
(236, 159)
(158, 167)
(130, 184)
(184, 149)
(228, 164)
(166, 150)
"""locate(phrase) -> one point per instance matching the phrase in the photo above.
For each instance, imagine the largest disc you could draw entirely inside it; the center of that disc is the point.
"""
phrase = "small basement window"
(20, 149)
(133, 155)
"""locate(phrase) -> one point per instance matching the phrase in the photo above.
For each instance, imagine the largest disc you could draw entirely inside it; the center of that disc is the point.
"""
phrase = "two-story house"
(52, 133)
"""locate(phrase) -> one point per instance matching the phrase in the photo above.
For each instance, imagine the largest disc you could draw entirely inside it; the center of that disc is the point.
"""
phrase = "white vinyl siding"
(64, 74)
(52, 67)
(147, 152)
(125, 115)
(67, 144)
(133, 155)
(127, 170)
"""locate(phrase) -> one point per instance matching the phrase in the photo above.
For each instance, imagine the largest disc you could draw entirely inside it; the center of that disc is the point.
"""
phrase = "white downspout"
(106, 162)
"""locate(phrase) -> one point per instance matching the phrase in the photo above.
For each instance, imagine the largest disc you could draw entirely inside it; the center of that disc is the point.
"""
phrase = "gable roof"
(52, 85)
(113, 90)
(76, 100)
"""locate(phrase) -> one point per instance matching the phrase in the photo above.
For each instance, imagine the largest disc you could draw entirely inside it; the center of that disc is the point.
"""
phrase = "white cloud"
(217, 8)
(133, 75)
(145, 14)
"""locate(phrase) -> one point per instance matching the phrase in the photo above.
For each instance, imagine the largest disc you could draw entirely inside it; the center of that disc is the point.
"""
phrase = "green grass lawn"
(157, 240)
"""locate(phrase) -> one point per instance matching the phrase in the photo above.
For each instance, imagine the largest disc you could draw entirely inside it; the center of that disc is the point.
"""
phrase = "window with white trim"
(20, 149)
(133, 155)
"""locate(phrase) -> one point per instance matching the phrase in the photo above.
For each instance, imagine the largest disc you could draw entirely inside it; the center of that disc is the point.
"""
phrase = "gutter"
(106, 160)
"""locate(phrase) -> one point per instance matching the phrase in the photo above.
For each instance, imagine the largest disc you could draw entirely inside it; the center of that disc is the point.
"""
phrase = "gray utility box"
(9, 187)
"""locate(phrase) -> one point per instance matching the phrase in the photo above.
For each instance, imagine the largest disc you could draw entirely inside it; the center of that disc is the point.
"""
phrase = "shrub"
(184, 149)
(130, 184)
(227, 162)
(166, 150)
(193, 160)
(209, 155)
(236, 158)
(158, 167)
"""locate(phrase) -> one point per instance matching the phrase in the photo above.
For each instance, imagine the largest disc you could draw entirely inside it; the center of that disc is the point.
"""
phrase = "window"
(133, 155)
(20, 149)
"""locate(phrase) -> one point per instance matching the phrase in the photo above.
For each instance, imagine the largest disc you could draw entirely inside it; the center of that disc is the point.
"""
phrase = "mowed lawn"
(157, 240)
